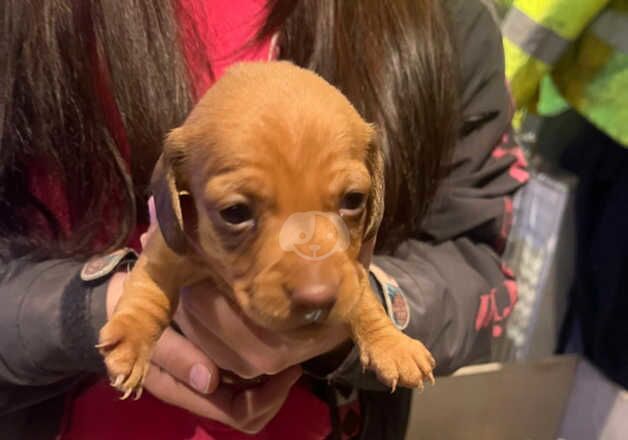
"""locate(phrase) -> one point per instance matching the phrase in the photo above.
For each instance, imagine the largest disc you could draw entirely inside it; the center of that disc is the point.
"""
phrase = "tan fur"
(285, 141)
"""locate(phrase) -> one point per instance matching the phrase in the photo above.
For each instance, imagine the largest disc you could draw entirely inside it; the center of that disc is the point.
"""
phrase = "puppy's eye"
(237, 215)
(352, 203)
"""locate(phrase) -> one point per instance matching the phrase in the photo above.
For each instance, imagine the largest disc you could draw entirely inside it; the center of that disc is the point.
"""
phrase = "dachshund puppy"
(269, 189)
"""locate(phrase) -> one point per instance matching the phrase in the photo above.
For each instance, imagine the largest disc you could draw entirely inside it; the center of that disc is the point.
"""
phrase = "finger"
(275, 390)
(165, 387)
(222, 355)
(242, 407)
(153, 222)
(258, 351)
(147, 235)
(144, 238)
(180, 358)
(151, 210)
(257, 423)
(247, 410)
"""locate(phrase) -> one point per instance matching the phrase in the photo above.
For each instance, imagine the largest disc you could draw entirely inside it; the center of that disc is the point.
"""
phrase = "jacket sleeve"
(49, 321)
(536, 35)
(454, 283)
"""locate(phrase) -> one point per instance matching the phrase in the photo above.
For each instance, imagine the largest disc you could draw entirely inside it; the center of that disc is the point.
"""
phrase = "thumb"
(184, 361)
(153, 222)
(151, 210)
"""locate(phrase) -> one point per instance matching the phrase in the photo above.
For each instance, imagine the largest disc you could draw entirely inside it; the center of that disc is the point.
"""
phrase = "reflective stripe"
(612, 28)
(534, 39)
(565, 17)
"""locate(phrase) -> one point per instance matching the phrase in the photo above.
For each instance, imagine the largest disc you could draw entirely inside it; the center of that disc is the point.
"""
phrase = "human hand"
(238, 345)
(216, 324)
(182, 375)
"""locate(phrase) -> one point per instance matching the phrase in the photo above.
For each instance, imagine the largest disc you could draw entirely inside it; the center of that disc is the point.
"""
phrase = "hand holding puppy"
(217, 325)
(181, 374)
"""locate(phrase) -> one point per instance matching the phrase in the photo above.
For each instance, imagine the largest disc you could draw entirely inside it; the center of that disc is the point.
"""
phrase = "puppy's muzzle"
(314, 301)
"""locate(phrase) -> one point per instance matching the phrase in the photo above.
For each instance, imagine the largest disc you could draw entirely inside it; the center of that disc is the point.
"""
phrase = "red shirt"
(225, 26)
(97, 413)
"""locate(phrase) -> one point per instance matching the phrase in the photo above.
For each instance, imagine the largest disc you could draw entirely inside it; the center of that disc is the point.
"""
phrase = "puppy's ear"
(172, 200)
(375, 204)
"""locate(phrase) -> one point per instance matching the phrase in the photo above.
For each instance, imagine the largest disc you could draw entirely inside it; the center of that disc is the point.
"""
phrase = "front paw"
(397, 359)
(126, 344)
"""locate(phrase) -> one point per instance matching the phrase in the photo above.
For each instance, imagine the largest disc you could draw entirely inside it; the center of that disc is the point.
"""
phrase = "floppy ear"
(375, 203)
(168, 193)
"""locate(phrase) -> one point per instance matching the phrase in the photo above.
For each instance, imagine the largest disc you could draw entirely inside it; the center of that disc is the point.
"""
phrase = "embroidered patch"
(396, 303)
(397, 306)
(102, 265)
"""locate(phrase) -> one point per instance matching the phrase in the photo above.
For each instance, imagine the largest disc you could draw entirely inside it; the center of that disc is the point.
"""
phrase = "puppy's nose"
(315, 296)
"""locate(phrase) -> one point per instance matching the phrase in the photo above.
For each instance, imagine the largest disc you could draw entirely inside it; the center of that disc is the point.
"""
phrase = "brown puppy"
(269, 189)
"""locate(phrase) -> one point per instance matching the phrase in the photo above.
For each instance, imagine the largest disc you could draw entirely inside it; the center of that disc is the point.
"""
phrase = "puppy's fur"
(269, 145)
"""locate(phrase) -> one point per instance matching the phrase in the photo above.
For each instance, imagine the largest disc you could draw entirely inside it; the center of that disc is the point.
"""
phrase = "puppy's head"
(277, 182)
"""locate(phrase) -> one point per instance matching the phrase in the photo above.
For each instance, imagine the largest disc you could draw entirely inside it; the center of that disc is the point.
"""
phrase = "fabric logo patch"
(397, 306)
(396, 303)
(102, 265)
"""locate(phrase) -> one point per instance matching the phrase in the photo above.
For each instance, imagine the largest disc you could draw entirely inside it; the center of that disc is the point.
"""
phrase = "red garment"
(97, 413)
(227, 29)
(225, 26)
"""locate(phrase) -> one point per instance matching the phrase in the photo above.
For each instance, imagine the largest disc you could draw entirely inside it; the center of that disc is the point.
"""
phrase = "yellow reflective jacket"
(583, 44)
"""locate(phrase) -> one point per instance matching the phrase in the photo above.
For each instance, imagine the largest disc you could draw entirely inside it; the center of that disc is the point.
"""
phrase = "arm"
(452, 280)
(48, 323)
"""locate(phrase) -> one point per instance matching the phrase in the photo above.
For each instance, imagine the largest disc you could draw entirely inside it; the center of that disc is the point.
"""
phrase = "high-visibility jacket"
(583, 45)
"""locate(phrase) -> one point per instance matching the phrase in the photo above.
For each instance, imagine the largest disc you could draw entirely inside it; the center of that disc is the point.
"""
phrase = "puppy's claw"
(430, 375)
(393, 388)
(138, 393)
(408, 364)
(118, 381)
(126, 394)
(365, 360)
(421, 387)
(105, 346)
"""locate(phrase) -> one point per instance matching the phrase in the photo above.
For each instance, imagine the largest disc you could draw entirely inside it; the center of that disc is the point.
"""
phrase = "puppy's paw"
(126, 344)
(397, 359)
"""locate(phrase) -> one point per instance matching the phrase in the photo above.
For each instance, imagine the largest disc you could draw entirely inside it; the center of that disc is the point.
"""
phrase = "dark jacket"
(454, 282)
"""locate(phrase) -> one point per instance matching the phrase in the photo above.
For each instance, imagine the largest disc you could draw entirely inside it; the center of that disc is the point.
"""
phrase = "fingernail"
(199, 378)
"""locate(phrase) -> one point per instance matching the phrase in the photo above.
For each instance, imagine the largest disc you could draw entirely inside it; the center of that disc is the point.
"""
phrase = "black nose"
(315, 296)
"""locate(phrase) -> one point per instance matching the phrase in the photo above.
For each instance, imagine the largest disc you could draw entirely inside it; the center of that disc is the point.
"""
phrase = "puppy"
(269, 189)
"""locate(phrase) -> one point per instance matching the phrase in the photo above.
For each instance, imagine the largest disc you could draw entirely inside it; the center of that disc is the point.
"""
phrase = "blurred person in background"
(569, 59)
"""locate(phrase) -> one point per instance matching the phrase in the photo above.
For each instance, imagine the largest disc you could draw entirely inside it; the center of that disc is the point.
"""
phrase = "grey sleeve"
(454, 283)
(49, 322)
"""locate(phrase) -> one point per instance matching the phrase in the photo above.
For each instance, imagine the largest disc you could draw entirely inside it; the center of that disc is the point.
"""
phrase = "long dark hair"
(395, 61)
(64, 58)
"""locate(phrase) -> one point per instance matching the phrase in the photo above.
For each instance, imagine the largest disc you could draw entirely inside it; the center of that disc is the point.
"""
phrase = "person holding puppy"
(89, 91)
